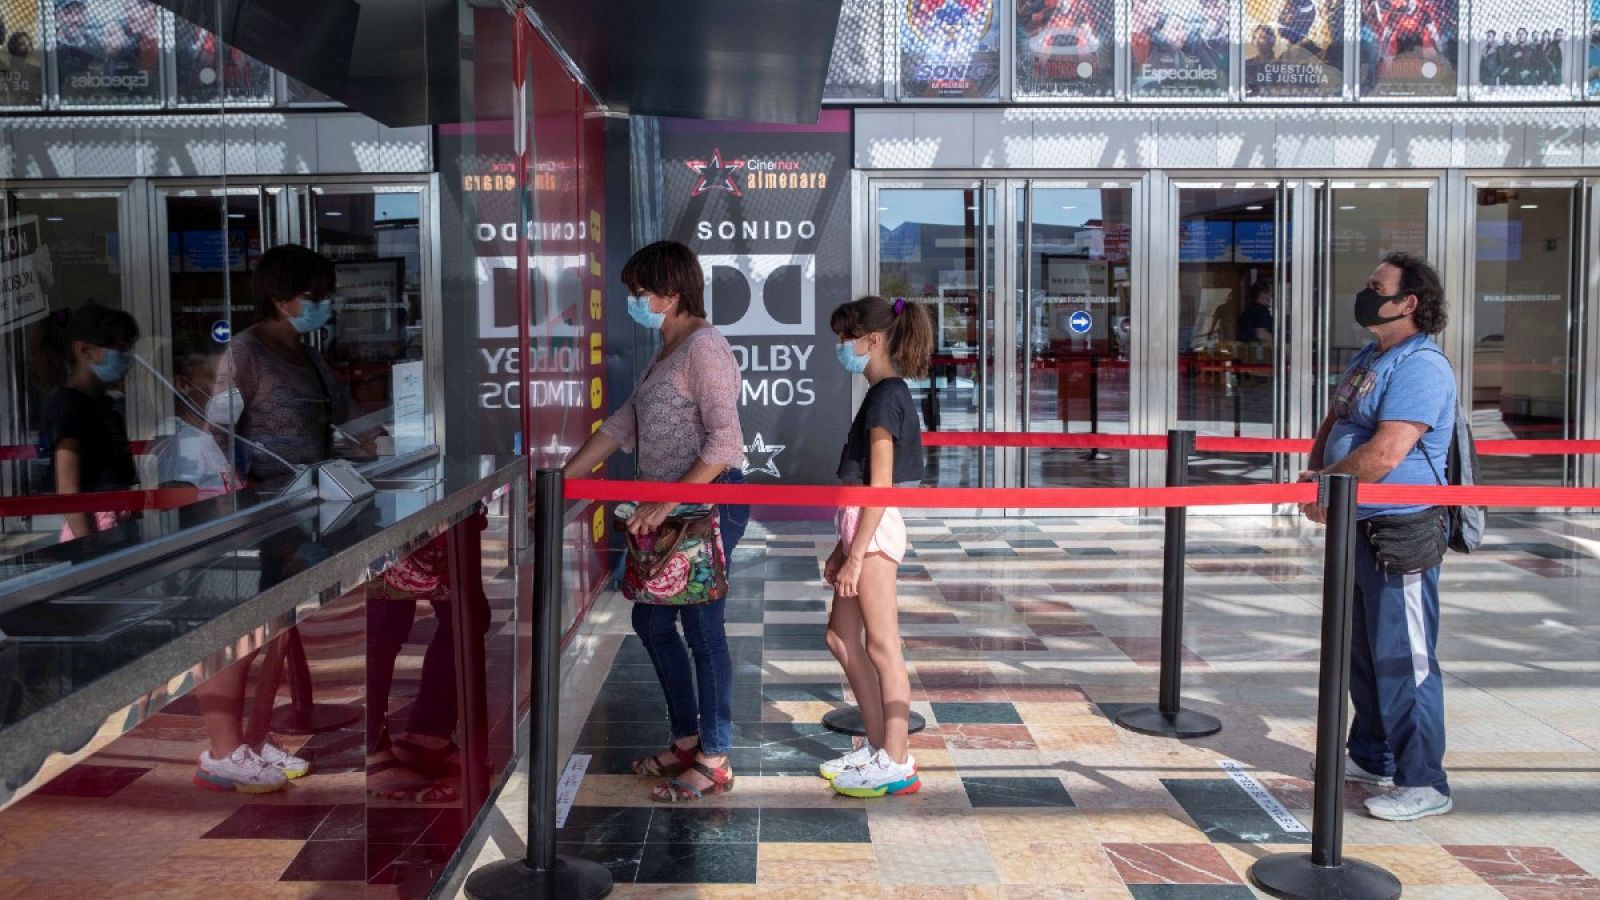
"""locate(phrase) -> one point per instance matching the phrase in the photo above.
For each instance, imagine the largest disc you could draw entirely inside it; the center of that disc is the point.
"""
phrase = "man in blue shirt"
(1392, 422)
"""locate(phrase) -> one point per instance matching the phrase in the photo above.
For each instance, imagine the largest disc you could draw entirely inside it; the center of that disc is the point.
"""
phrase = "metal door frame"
(1580, 287)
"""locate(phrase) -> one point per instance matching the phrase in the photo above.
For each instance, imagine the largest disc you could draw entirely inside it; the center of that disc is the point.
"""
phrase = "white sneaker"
(878, 776)
(1408, 804)
(241, 771)
(1354, 772)
(290, 765)
(857, 757)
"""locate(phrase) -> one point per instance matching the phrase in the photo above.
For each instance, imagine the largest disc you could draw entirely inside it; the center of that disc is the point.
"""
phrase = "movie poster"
(767, 208)
(1180, 48)
(950, 49)
(1294, 48)
(207, 77)
(1408, 48)
(108, 52)
(855, 71)
(1511, 59)
(1066, 48)
(21, 60)
(1592, 54)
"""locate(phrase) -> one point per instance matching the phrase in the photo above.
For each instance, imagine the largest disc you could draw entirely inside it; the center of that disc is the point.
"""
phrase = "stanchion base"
(1095, 456)
(1184, 723)
(321, 717)
(1294, 875)
(570, 879)
(847, 720)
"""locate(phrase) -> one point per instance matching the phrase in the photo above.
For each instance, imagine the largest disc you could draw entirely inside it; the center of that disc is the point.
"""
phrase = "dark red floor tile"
(272, 822)
(347, 822)
(88, 780)
(329, 861)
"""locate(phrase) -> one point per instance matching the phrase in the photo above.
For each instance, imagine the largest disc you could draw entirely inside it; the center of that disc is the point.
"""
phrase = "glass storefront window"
(1076, 321)
(1369, 222)
(1523, 315)
(1231, 323)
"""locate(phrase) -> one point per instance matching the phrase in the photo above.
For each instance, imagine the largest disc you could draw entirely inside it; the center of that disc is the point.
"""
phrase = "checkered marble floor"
(1025, 639)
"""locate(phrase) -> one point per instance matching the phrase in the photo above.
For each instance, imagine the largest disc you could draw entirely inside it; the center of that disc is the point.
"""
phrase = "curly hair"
(1419, 279)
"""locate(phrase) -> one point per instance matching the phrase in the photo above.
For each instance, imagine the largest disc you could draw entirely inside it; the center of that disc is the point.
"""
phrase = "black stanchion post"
(541, 873)
(1095, 454)
(1168, 718)
(1238, 399)
(1325, 872)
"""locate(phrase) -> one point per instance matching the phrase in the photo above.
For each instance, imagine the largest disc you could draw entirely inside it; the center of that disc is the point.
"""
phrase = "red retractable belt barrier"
(102, 501)
(1500, 496)
(936, 498)
(1212, 444)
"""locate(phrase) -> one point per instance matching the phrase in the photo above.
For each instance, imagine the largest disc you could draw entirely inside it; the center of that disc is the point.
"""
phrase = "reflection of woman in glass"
(82, 352)
(288, 400)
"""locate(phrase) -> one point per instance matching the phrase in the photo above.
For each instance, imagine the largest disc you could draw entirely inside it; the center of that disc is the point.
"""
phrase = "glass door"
(935, 245)
(1074, 322)
(1230, 250)
(1524, 323)
(1359, 223)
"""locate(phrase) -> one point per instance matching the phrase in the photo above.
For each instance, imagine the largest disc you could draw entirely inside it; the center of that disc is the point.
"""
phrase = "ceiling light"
(1347, 207)
(1530, 206)
(54, 219)
(1253, 208)
(334, 213)
(236, 215)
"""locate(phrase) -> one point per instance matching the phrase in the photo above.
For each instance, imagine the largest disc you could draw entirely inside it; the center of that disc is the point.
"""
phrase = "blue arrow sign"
(1080, 322)
(221, 332)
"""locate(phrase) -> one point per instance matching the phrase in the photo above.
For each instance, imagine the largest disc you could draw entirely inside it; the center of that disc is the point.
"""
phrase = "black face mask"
(1368, 302)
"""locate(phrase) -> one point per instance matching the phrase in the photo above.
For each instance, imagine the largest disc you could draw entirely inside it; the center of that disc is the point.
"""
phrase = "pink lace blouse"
(686, 408)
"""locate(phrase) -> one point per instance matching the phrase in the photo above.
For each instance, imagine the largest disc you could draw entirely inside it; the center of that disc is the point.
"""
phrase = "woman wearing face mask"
(277, 389)
(81, 352)
(684, 419)
(189, 455)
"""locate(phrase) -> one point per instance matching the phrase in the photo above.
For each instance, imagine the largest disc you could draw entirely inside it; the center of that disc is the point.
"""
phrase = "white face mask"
(224, 409)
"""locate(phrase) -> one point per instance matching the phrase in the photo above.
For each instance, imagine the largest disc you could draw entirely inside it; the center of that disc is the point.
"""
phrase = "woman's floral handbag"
(681, 563)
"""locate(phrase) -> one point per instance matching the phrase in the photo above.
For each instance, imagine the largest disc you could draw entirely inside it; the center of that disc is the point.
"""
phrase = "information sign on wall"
(768, 211)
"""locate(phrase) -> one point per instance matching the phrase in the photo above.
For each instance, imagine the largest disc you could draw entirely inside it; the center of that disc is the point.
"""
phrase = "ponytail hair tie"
(899, 305)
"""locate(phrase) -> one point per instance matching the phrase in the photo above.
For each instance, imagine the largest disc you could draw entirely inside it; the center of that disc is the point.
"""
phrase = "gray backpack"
(1465, 523)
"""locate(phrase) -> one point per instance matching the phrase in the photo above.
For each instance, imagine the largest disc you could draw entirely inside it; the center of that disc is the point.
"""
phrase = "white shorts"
(890, 538)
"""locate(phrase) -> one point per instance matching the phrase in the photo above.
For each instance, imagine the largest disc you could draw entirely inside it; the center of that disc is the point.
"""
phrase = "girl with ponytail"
(886, 342)
(80, 352)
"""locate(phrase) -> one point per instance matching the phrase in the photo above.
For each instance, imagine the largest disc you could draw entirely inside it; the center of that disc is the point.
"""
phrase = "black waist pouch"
(1408, 544)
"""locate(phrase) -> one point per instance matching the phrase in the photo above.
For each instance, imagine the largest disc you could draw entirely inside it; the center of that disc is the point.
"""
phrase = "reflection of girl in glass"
(81, 352)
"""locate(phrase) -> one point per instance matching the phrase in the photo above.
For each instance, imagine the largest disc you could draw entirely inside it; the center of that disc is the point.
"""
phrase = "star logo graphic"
(759, 456)
(715, 175)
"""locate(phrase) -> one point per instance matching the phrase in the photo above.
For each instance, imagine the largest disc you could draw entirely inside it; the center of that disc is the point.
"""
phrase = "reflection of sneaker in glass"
(878, 776)
(1408, 804)
(241, 771)
(1353, 771)
(290, 765)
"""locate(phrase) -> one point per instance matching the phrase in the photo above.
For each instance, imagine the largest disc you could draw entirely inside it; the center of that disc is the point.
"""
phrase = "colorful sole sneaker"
(1408, 804)
(833, 768)
(879, 776)
(241, 771)
(290, 765)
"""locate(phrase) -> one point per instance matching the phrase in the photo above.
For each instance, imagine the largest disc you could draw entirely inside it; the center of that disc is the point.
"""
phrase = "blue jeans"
(699, 701)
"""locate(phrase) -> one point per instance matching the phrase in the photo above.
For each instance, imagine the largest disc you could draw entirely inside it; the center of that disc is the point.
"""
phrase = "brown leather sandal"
(675, 791)
(652, 767)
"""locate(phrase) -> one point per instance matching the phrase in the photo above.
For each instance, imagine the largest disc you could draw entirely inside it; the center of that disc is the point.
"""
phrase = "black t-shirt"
(1255, 316)
(888, 406)
(105, 457)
